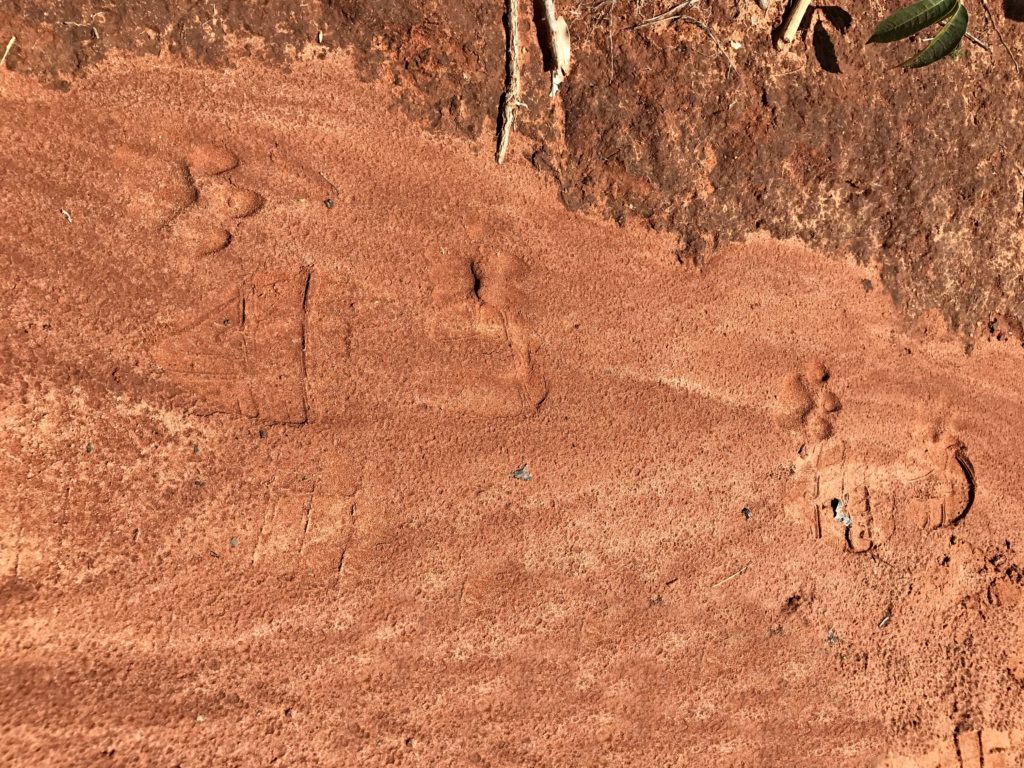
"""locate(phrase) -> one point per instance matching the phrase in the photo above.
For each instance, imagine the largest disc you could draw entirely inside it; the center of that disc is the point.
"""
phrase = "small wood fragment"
(731, 576)
(559, 54)
(797, 12)
(7, 50)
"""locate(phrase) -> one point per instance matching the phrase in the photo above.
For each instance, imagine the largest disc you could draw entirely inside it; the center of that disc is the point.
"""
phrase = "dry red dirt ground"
(329, 442)
(919, 172)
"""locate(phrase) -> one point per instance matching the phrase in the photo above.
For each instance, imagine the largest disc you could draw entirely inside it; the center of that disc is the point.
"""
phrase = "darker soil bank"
(826, 142)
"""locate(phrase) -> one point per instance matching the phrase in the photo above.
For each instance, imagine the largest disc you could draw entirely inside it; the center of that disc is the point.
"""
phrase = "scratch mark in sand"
(303, 332)
(305, 526)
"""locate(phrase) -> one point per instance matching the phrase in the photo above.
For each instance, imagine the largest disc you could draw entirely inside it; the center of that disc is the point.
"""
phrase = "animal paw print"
(806, 402)
(153, 189)
(245, 353)
(491, 366)
(206, 222)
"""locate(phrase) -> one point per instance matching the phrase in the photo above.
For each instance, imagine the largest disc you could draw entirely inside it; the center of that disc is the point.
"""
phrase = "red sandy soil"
(918, 172)
(270, 357)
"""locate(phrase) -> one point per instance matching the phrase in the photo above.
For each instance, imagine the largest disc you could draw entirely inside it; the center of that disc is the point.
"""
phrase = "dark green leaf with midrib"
(944, 43)
(907, 21)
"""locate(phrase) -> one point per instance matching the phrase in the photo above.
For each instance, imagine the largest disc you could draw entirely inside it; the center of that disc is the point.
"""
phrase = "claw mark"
(305, 526)
(247, 352)
(65, 522)
(462, 595)
(259, 537)
(17, 551)
(347, 541)
(303, 330)
(968, 748)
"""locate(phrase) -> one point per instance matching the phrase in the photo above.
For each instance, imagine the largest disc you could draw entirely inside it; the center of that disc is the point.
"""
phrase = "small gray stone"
(838, 512)
(523, 473)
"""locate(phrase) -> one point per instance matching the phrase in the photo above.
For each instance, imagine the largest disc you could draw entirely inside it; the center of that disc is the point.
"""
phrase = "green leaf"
(944, 43)
(912, 19)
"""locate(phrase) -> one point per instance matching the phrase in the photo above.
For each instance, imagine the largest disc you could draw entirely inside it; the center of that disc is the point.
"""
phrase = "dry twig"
(673, 13)
(731, 576)
(991, 18)
(513, 83)
(796, 15)
(10, 44)
(558, 55)
(703, 26)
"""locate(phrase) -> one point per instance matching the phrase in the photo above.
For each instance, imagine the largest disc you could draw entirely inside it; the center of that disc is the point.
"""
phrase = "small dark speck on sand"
(747, 513)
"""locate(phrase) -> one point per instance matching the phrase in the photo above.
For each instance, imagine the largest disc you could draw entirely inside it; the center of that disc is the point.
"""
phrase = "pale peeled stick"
(560, 47)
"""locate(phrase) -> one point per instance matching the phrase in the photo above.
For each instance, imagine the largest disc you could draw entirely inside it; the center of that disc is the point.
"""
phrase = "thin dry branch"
(999, 34)
(558, 54)
(731, 576)
(510, 99)
(706, 29)
(673, 13)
